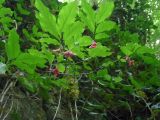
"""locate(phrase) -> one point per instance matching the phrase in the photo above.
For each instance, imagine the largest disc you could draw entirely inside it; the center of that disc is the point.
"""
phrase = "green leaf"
(35, 52)
(12, 45)
(26, 83)
(99, 51)
(70, 43)
(88, 15)
(29, 68)
(130, 48)
(62, 83)
(104, 11)
(73, 32)
(85, 41)
(101, 36)
(123, 60)
(61, 67)
(29, 62)
(126, 51)
(117, 79)
(149, 60)
(77, 50)
(22, 10)
(43, 54)
(5, 11)
(2, 1)
(67, 16)
(6, 20)
(3, 68)
(142, 50)
(87, 22)
(34, 29)
(128, 88)
(108, 63)
(86, 7)
(32, 59)
(104, 74)
(49, 41)
(105, 26)
(60, 58)
(46, 19)
(136, 84)
(49, 56)
(133, 4)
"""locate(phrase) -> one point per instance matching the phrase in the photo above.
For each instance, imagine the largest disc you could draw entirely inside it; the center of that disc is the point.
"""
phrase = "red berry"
(55, 72)
(68, 54)
(93, 45)
(130, 62)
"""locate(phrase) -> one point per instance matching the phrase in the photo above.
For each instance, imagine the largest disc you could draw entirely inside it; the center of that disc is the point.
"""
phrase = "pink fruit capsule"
(93, 45)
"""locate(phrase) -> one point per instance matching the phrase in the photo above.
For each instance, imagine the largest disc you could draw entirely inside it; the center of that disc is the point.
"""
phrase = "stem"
(59, 102)
(70, 106)
(76, 110)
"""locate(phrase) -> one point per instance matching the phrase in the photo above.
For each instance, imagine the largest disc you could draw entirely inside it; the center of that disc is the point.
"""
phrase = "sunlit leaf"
(12, 45)
(46, 19)
(29, 62)
(101, 36)
(117, 79)
(99, 51)
(5, 11)
(2, 1)
(88, 15)
(67, 16)
(75, 31)
(62, 83)
(49, 41)
(61, 67)
(104, 11)
(105, 26)
(126, 51)
(85, 41)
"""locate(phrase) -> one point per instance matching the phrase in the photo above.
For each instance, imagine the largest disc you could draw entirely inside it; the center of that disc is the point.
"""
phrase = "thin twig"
(59, 102)
(4, 105)
(16, 26)
(113, 115)
(6, 85)
(4, 93)
(70, 106)
(76, 110)
(149, 108)
(130, 110)
(8, 111)
(87, 97)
